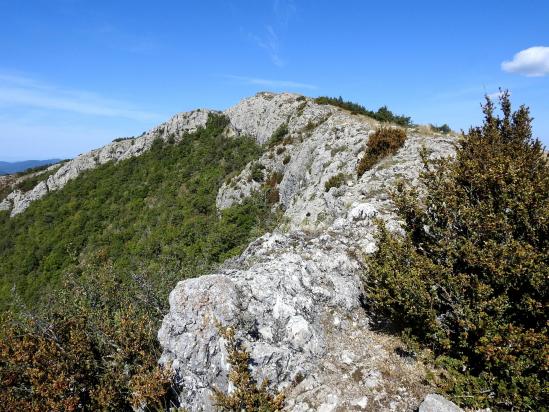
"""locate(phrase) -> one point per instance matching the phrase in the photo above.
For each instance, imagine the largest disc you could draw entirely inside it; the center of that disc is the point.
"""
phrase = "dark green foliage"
(335, 181)
(256, 173)
(278, 135)
(470, 278)
(121, 139)
(247, 394)
(286, 159)
(383, 114)
(154, 213)
(384, 142)
(445, 129)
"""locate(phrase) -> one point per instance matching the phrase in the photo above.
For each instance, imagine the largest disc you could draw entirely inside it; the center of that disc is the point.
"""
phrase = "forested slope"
(153, 214)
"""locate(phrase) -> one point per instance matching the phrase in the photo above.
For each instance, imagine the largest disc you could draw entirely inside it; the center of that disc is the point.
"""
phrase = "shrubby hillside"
(150, 214)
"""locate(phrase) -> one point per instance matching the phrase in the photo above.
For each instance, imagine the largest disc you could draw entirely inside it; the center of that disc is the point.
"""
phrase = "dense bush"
(95, 348)
(247, 394)
(383, 114)
(257, 173)
(384, 142)
(469, 280)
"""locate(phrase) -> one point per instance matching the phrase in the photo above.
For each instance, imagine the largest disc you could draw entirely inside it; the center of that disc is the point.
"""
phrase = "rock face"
(18, 201)
(295, 295)
(436, 403)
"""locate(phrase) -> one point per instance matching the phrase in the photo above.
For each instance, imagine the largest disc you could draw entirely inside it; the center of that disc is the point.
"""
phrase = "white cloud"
(18, 91)
(272, 83)
(531, 62)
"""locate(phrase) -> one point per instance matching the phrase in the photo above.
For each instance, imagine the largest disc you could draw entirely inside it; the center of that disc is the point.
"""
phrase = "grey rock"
(437, 403)
(295, 296)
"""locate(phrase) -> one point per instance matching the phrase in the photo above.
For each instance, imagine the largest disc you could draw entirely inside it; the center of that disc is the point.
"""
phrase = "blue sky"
(76, 74)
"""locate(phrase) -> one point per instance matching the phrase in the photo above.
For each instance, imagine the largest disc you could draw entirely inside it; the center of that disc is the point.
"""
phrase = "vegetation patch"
(335, 181)
(257, 173)
(247, 394)
(121, 139)
(29, 183)
(154, 213)
(384, 142)
(278, 135)
(95, 350)
(469, 279)
(383, 114)
(444, 129)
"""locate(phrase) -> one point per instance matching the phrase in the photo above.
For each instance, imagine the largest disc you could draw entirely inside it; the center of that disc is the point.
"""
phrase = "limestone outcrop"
(295, 296)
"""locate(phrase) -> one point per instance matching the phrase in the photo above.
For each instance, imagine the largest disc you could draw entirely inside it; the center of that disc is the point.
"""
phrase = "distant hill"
(14, 167)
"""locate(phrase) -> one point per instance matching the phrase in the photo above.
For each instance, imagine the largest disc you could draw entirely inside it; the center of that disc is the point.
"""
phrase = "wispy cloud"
(20, 91)
(284, 11)
(270, 43)
(285, 84)
(531, 62)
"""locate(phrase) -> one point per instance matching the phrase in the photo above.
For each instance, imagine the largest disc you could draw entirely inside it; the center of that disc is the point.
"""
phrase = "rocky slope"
(294, 296)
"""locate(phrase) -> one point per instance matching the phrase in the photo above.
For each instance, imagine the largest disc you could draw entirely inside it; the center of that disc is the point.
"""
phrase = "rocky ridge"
(294, 296)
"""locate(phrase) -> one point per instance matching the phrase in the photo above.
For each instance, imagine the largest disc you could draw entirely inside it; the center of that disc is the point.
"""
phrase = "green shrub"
(256, 172)
(286, 159)
(121, 139)
(469, 279)
(444, 129)
(335, 181)
(384, 142)
(247, 394)
(278, 135)
(383, 114)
